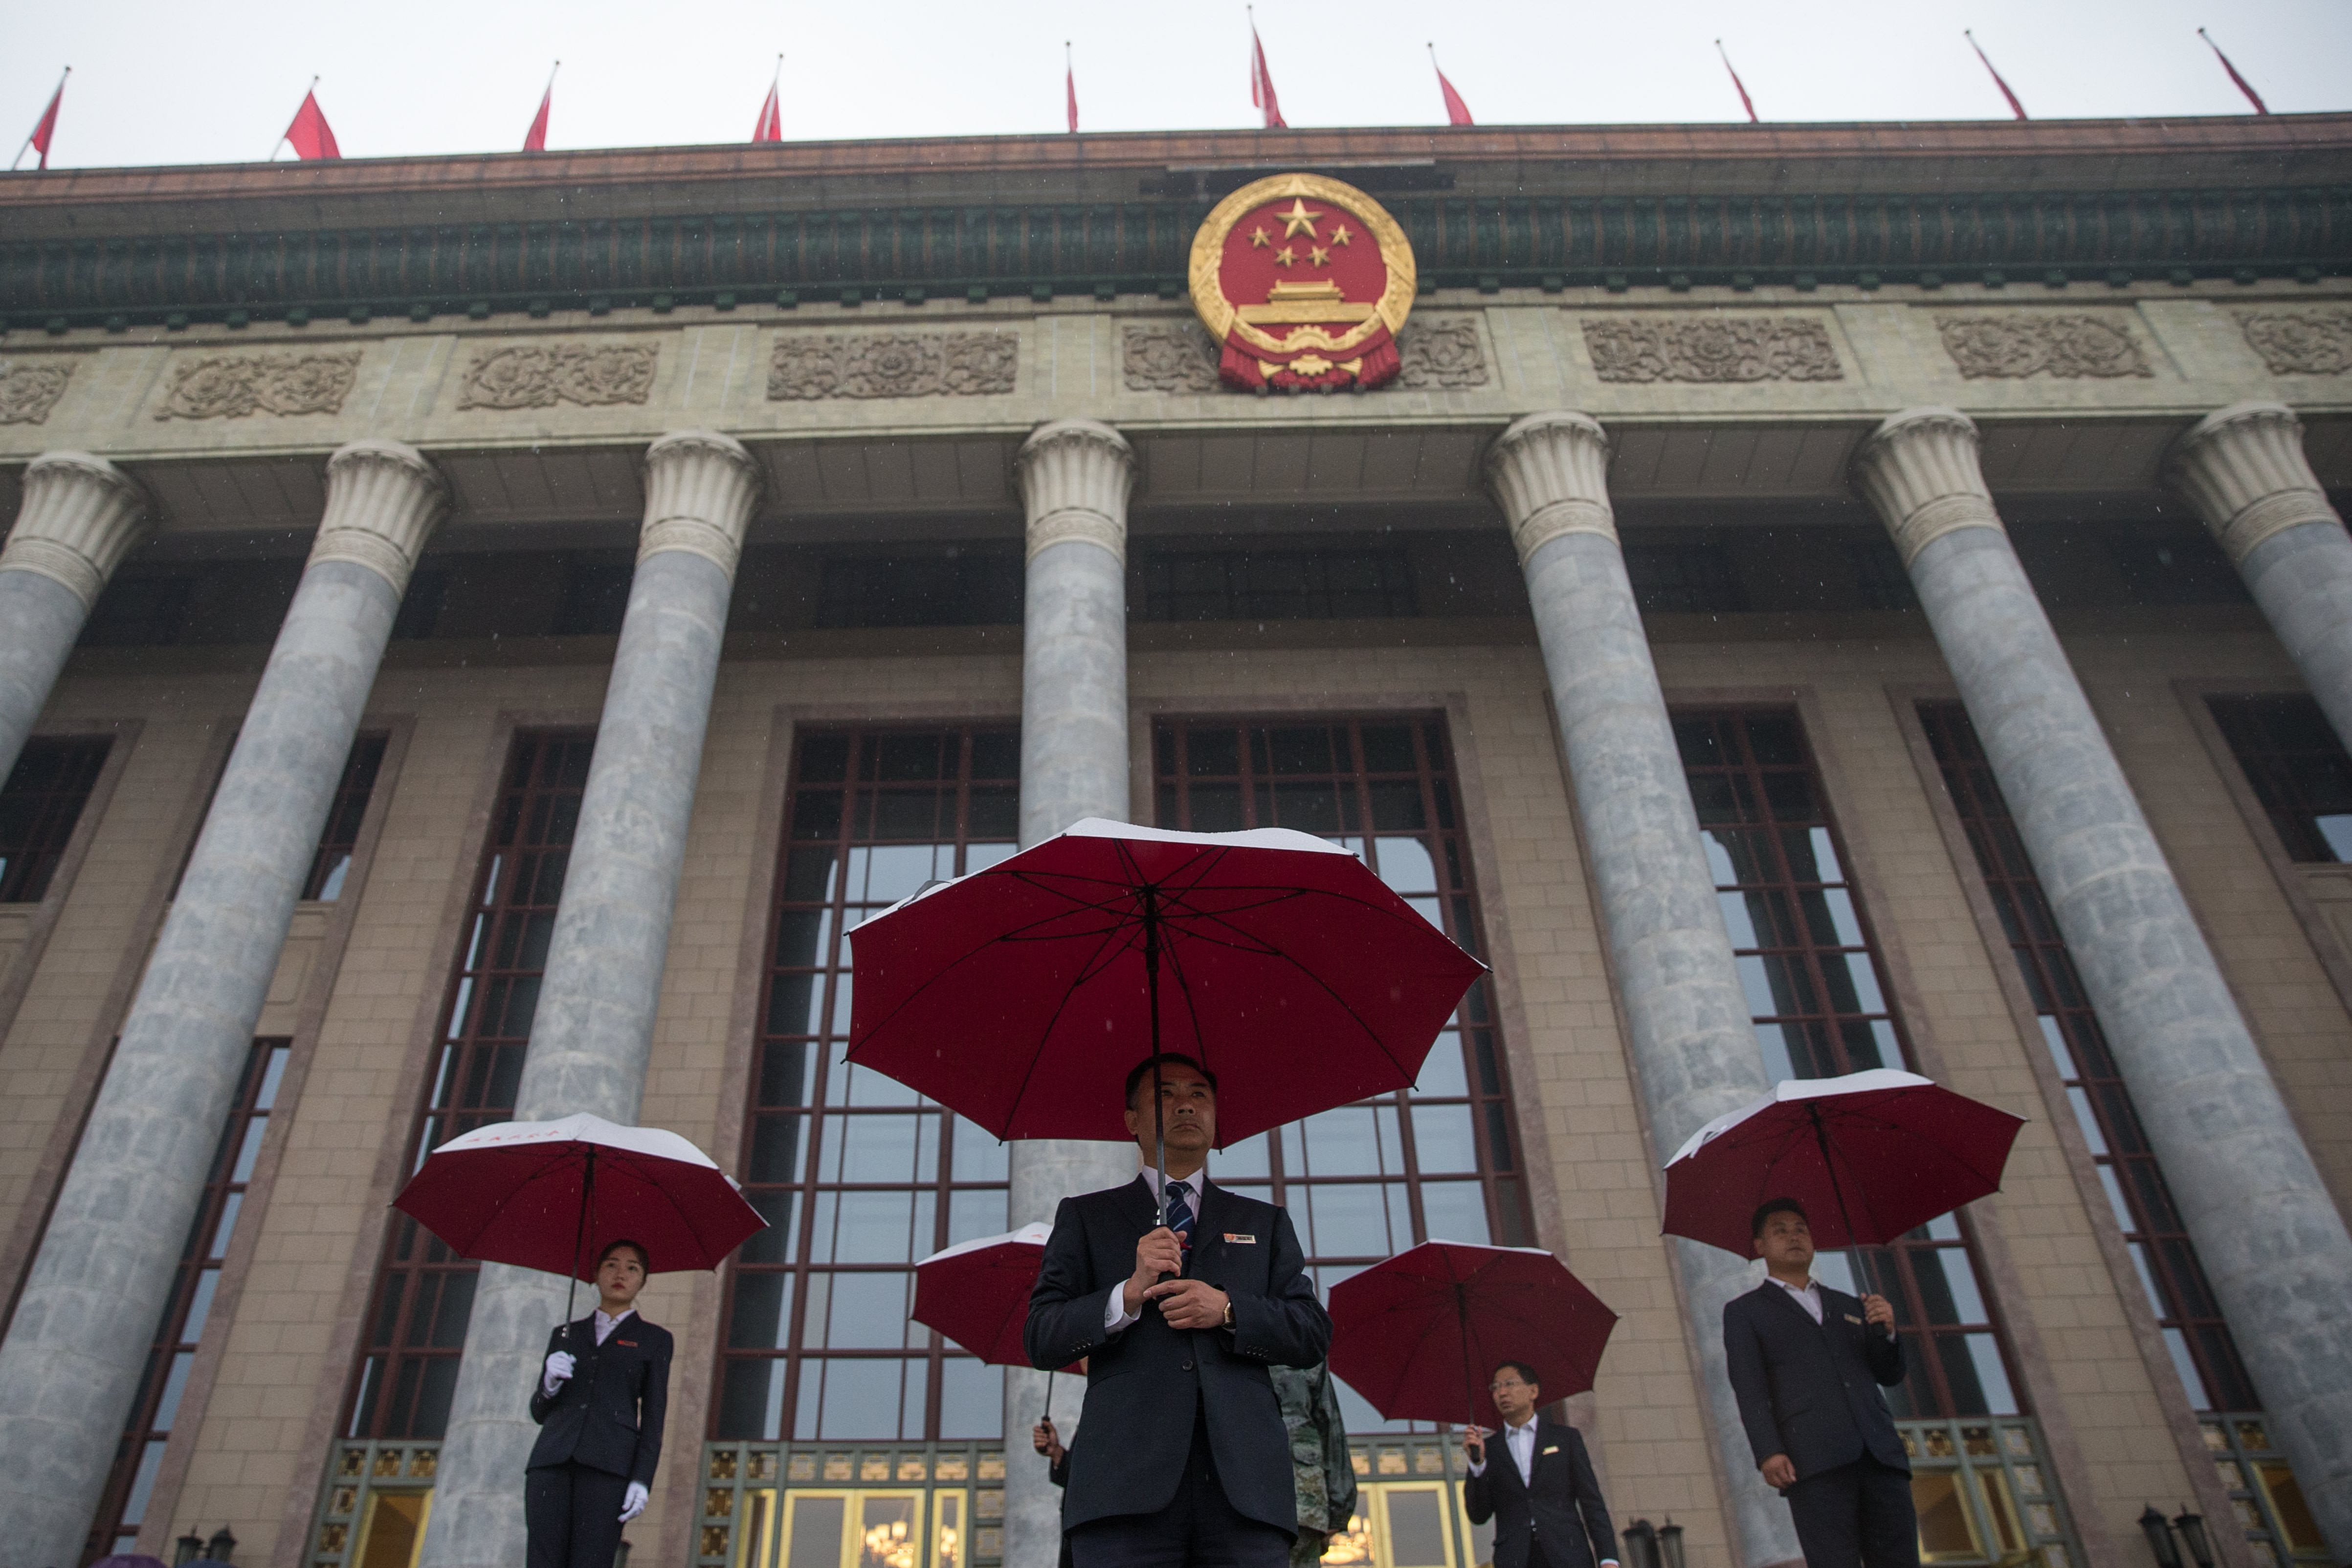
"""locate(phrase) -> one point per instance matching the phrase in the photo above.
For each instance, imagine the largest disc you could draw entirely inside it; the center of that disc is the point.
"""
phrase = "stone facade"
(888, 408)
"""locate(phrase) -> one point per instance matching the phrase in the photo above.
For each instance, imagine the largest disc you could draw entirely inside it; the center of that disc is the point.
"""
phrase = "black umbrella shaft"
(580, 1232)
(1469, 1374)
(1853, 1240)
(1151, 1005)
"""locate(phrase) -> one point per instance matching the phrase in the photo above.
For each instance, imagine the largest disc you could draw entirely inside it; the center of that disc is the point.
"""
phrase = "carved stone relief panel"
(806, 365)
(28, 391)
(541, 375)
(2300, 342)
(1440, 352)
(2010, 347)
(1179, 357)
(1169, 356)
(231, 386)
(1711, 349)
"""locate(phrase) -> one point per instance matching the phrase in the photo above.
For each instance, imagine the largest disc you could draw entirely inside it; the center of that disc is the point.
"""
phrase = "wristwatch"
(1228, 1313)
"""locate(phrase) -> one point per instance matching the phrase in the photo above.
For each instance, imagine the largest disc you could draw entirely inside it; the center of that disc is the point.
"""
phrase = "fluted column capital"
(1075, 476)
(2243, 467)
(384, 501)
(700, 490)
(1919, 470)
(80, 517)
(1549, 473)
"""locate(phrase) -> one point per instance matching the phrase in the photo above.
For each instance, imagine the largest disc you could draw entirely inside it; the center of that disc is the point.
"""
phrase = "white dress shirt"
(1808, 1298)
(1808, 1295)
(1115, 1317)
(1521, 1441)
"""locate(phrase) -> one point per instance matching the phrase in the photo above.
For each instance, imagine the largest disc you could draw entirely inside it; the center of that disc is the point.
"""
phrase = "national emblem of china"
(1304, 283)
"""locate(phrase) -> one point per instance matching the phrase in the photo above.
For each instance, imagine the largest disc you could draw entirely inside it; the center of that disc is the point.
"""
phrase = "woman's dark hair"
(1766, 1210)
(645, 1258)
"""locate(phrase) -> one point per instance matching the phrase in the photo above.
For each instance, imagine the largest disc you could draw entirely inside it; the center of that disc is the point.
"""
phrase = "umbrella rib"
(1037, 1053)
(942, 972)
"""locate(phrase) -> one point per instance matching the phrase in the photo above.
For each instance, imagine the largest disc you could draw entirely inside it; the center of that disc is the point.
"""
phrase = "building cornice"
(1619, 207)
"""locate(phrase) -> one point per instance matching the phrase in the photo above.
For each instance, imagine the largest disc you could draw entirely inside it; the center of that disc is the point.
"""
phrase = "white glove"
(559, 1367)
(633, 1501)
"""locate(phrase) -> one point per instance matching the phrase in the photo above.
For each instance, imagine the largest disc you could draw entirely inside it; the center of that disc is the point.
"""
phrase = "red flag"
(1736, 85)
(309, 135)
(2243, 84)
(1456, 111)
(535, 139)
(46, 127)
(2015, 108)
(1070, 85)
(1262, 85)
(772, 113)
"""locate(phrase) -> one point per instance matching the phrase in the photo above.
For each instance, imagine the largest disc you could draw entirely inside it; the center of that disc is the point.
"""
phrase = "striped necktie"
(1179, 1213)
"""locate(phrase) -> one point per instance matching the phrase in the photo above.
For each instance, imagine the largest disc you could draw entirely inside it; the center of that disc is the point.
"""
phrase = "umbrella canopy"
(551, 1195)
(977, 1292)
(1419, 1335)
(1021, 996)
(1871, 1155)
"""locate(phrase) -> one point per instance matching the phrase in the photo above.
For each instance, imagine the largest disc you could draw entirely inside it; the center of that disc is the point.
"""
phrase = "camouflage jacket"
(1320, 1465)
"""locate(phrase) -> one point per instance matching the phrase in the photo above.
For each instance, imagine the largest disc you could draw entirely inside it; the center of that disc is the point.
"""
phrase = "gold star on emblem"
(1318, 256)
(1298, 218)
(1258, 240)
(1341, 236)
(1286, 256)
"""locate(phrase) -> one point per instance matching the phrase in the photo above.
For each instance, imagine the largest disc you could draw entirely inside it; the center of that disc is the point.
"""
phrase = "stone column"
(2270, 1237)
(593, 1028)
(80, 517)
(1693, 1048)
(2243, 469)
(73, 1357)
(1075, 477)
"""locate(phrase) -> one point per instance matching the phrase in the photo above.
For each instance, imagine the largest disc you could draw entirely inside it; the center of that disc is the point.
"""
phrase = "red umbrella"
(977, 1292)
(1871, 1155)
(551, 1195)
(1022, 994)
(1419, 1335)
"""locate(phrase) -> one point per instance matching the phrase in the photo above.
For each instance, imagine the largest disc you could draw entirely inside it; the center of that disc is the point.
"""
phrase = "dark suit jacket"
(608, 1413)
(1561, 1506)
(1144, 1383)
(1811, 1390)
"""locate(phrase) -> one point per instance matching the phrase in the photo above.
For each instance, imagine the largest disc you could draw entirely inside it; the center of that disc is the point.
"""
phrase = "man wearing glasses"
(1542, 1494)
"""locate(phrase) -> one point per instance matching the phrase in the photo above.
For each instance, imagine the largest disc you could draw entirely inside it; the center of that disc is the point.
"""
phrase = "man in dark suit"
(1540, 1492)
(600, 1402)
(1807, 1362)
(1186, 1459)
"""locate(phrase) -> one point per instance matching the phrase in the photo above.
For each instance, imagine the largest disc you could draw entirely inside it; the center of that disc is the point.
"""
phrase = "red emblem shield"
(1304, 283)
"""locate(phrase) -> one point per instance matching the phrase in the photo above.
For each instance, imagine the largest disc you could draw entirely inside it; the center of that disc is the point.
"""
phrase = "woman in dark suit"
(600, 1402)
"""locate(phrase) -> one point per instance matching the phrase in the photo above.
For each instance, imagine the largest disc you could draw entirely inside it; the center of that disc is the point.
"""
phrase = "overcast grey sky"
(168, 82)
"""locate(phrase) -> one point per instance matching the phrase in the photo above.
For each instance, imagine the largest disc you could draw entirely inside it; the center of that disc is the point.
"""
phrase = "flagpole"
(272, 156)
(2243, 86)
(19, 158)
(1737, 86)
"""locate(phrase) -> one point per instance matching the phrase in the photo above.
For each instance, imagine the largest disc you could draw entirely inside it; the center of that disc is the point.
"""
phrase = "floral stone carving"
(1441, 352)
(231, 386)
(2037, 343)
(2300, 342)
(541, 375)
(27, 392)
(806, 366)
(1711, 349)
(1173, 356)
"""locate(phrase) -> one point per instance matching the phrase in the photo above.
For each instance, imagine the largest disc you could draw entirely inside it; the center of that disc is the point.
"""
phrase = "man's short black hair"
(1166, 1059)
(1771, 1206)
(1526, 1373)
(645, 1258)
